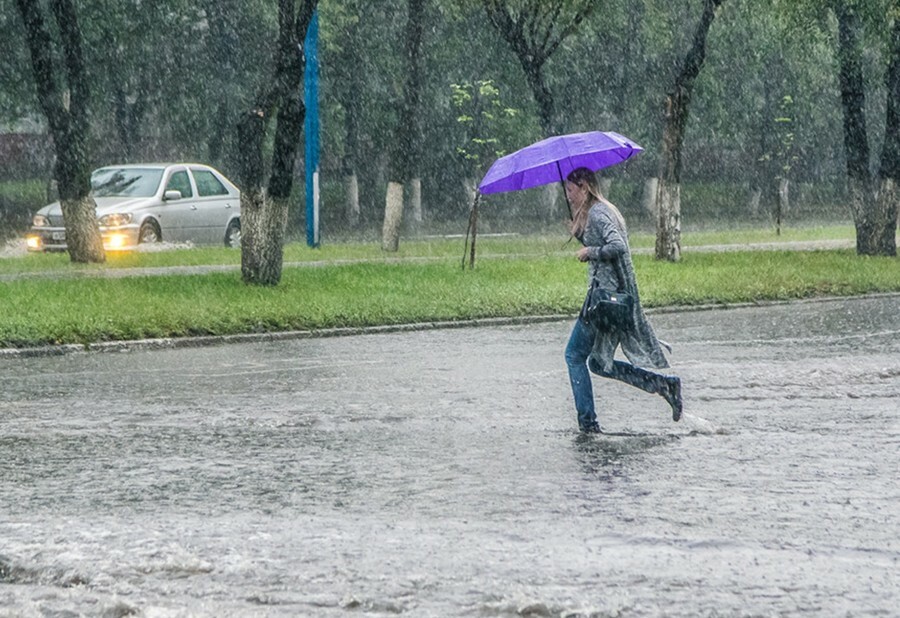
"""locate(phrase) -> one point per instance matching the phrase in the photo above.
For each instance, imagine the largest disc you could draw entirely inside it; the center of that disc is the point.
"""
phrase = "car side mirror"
(172, 195)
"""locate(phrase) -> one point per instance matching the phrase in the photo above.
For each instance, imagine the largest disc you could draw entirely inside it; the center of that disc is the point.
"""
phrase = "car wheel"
(149, 233)
(233, 234)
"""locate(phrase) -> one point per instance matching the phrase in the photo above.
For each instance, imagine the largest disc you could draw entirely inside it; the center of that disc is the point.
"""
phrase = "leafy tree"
(363, 76)
(63, 95)
(534, 30)
(784, 156)
(757, 59)
(484, 117)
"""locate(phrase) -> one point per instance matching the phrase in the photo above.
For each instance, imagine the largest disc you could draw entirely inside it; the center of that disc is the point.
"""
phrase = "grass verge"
(44, 311)
(422, 248)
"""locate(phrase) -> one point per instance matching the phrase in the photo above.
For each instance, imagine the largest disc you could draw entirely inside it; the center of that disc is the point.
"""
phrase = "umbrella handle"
(565, 195)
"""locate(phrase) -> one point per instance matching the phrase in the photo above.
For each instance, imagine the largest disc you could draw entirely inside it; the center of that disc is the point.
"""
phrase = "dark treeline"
(764, 140)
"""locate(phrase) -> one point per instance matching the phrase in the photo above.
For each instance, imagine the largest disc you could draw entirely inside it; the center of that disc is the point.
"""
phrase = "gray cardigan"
(606, 239)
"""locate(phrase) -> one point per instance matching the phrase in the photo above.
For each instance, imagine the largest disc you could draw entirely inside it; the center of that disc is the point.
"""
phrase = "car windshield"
(131, 182)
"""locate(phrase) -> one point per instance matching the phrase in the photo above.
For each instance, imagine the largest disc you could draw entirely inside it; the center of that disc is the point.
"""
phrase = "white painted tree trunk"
(755, 200)
(470, 186)
(351, 190)
(85, 244)
(668, 237)
(784, 187)
(549, 201)
(393, 215)
(263, 223)
(888, 209)
(648, 199)
(414, 201)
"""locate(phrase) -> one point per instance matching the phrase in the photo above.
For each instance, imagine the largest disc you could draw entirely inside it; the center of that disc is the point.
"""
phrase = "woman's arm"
(602, 238)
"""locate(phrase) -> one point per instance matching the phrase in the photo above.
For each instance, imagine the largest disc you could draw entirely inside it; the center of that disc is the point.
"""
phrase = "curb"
(172, 343)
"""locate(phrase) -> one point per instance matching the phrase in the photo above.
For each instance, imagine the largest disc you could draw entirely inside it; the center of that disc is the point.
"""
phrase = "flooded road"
(440, 473)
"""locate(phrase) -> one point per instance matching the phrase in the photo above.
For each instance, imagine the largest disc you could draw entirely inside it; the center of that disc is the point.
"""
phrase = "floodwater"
(439, 473)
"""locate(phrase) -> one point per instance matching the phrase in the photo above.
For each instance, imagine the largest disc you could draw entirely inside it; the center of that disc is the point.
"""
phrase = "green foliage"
(784, 156)
(182, 80)
(483, 118)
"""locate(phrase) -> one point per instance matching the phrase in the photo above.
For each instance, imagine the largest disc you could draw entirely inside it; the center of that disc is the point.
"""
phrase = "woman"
(599, 226)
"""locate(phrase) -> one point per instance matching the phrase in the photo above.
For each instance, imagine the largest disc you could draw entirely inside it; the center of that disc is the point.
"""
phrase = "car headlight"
(40, 221)
(116, 219)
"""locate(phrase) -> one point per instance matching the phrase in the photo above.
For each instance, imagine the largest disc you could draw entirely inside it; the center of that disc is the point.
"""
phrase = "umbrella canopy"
(553, 159)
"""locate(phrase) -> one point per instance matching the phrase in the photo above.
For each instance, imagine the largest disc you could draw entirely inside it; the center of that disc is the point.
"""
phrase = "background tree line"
(776, 125)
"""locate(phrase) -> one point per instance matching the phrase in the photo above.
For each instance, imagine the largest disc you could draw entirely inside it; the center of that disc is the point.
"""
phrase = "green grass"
(488, 246)
(40, 311)
(32, 192)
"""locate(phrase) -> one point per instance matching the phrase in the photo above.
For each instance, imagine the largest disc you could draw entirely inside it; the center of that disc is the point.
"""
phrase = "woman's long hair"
(587, 180)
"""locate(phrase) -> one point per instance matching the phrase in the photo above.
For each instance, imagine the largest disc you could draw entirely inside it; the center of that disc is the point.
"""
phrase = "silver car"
(146, 203)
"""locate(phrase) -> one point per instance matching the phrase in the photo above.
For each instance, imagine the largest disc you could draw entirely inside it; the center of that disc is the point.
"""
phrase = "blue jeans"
(577, 351)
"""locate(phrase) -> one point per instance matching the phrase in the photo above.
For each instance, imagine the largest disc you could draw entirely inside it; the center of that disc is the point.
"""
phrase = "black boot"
(671, 392)
(591, 428)
(669, 387)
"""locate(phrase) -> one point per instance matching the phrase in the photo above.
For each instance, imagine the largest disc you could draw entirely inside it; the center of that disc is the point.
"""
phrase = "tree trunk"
(251, 134)
(262, 221)
(534, 31)
(470, 187)
(414, 201)
(262, 237)
(887, 207)
(224, 46)
(668, 221)
(668, 208)
(754, 200)
(405, 158)
(264, 212)
(783, 204)
(856, 141)
(472, 231)
(347, 88)
(351, 190)
(128, 116)
(66, 113)
(648, 196)
(549, 202)
(888, 201)
(668, 230)
(393, 215)
(542, 95)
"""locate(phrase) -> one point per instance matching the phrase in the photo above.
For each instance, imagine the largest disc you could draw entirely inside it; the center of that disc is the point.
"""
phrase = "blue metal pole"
(311, 128)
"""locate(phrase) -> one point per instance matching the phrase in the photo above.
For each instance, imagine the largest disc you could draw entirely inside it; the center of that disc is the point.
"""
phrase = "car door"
(180, 218)
(216, 204)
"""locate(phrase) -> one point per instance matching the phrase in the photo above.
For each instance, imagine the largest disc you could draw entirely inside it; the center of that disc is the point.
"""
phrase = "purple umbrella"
(553, 159)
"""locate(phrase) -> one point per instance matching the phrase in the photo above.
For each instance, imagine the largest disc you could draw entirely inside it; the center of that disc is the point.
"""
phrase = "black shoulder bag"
(606, 310)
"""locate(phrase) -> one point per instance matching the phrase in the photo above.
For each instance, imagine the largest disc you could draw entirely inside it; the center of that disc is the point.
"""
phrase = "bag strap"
(620, 274)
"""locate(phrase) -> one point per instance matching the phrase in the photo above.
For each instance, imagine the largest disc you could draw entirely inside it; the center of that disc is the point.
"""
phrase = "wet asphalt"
(439, 472)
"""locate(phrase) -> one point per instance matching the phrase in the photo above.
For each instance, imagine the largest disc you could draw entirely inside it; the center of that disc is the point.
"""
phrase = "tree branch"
(40, 46)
